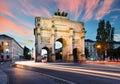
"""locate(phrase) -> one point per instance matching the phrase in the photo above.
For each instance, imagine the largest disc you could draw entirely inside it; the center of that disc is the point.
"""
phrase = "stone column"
(81, 56)
(83, 47)
(53, 45)
(38, 44)
(71, 45)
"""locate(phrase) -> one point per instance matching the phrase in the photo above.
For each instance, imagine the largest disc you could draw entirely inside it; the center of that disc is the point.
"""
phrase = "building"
(10, 49)
(59, 28)
(116, 44)
(89, 45)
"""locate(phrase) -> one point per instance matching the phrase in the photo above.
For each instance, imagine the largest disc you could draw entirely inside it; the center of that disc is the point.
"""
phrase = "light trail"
(104, 74)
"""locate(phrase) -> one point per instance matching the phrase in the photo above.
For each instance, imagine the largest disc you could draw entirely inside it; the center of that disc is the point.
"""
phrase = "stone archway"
(59, 28)
(45, 55)
(59, 52)
(75, 56)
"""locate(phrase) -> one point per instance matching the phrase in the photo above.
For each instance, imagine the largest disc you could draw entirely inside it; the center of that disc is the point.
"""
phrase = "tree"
(116, 54)
(27, 53)
(104, 38)
(87, 53)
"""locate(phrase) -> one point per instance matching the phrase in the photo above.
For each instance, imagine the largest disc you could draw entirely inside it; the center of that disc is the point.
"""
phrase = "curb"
(57, 79)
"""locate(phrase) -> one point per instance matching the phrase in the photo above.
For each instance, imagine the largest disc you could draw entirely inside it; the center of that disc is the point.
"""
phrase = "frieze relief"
(45, 39)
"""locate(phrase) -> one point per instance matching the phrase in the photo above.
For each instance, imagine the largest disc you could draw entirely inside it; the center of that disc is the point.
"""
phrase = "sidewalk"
(104, 63)
(3, 78)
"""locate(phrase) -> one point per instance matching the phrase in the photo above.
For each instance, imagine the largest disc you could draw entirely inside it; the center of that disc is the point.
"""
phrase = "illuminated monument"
(59, 28)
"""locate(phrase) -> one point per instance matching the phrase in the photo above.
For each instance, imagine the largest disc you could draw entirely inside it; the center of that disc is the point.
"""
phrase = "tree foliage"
(27, 53)
(87, 53)
(104, 38)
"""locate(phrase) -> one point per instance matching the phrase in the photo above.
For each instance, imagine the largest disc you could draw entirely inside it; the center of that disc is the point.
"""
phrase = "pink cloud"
(73, 6)
(7, 26)
(4, 9)
(105, 7)
(30, 10)
(90, 7)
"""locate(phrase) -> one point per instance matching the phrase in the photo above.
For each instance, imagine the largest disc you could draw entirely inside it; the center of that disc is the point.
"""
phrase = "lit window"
(7, 50)
(6, 43)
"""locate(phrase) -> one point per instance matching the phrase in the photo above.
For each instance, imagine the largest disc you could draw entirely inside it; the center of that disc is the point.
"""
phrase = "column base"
(38, 59)
(70, 58)
(81, 58)
(53, 57)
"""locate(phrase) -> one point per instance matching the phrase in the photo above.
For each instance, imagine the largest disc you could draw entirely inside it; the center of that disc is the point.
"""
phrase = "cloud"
(7, 26)
(114, 10)
(31, 10)
(74, 7)
(114, 17)
(117, 37)
(90, 7)
(30, 42)
(104, 8)
(5, 9)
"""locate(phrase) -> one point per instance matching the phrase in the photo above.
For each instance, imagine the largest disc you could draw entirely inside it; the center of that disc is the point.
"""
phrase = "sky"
(17, 16)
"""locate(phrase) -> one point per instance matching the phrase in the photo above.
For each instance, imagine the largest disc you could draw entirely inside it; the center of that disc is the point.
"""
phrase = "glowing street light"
(98, 46)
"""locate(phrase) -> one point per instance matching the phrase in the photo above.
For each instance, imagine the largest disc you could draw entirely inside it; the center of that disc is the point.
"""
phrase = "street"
(28, 72)
(21, 76)
(77, 73)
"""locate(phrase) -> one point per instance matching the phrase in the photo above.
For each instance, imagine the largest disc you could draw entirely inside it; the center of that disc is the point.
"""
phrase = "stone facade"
(59, 28)
(89, 44)
(10, 50)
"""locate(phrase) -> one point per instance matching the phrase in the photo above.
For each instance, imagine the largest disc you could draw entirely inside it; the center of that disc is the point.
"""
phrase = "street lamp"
(98, 46)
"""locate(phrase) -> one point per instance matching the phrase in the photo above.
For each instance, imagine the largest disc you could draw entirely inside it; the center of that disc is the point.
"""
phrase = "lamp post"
(98, 47)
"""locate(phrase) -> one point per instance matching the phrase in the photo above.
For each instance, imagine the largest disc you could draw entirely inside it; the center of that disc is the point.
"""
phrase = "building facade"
(59, 28)
(116, 44)
(10, 49)
(89, 45)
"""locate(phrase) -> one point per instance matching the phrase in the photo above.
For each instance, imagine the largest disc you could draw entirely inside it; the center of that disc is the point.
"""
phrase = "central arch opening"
(59, 49)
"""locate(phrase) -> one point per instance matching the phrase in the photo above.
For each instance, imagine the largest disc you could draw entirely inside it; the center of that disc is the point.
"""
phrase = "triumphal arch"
(59, 28)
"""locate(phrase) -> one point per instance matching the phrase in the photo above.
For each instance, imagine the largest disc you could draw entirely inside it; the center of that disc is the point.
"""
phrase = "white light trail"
(104, 74)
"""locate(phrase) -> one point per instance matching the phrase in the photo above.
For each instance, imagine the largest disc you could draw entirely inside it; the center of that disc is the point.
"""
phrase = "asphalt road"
(22, 76)
(82, 74)
(85, 74)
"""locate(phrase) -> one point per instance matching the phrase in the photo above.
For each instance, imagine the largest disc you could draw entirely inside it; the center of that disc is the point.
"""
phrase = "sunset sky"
(17, 16)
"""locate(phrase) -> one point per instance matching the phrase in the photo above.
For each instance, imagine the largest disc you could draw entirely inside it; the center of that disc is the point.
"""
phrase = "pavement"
(3, 78)
(104, 63)
(29, 64)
